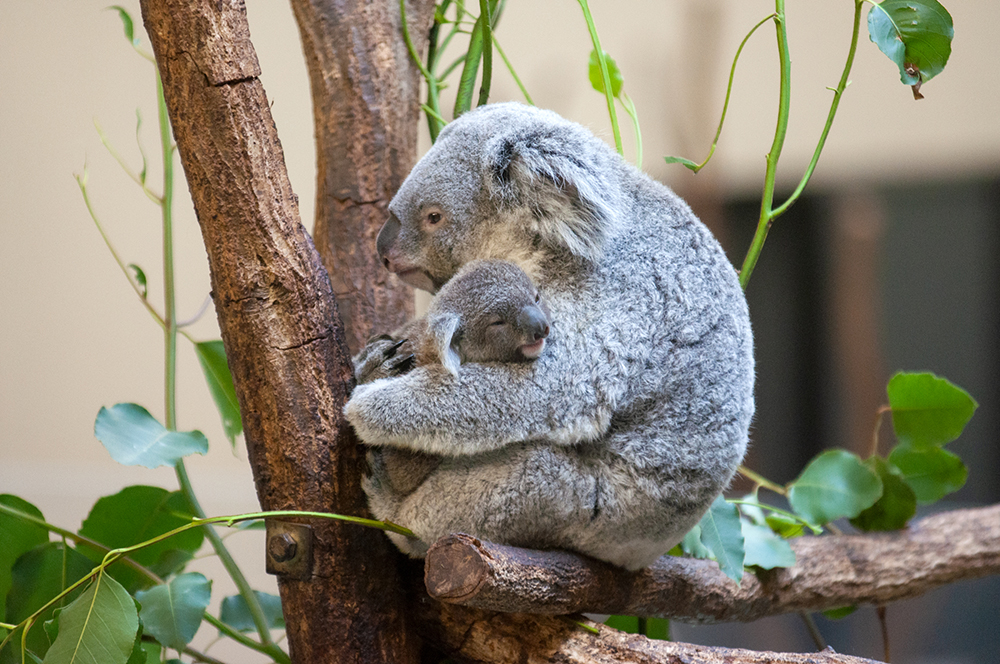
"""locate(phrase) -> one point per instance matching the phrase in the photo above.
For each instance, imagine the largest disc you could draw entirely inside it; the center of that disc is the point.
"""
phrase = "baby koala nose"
(534, 322)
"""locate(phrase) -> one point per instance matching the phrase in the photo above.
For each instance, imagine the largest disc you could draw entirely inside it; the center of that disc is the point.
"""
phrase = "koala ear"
(563, 177)
(443, 329)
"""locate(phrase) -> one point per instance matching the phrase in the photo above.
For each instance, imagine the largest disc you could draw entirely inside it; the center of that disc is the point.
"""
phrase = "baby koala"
(490, 311)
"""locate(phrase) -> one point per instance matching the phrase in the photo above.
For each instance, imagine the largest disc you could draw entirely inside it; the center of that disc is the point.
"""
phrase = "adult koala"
(617, 438)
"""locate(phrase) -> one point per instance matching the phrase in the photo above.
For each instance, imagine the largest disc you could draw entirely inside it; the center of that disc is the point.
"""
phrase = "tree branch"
(279, 323)
(467, 634)
(831, 571)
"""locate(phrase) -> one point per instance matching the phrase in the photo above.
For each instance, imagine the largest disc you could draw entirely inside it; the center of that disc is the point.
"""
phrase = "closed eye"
(497, 322)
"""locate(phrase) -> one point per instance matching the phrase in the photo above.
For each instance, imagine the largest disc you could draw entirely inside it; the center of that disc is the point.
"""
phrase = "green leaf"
(785, 526)
(467, 81)
(627, 624)
(927, 410)
(915, 34)
(173, 611)
(138, 274)
(722, 534)
(932, 472)
(691, 544)
(687, 163)
(212, 355)
(835, 484)
(126, 24)
(764, 549)
(895, 506)
(597, 79)
(136, 514)
(136, 438)
(842, 612)
(16, 537)
(138, 654)
(37, 577)
(98, 627)
(236, 613)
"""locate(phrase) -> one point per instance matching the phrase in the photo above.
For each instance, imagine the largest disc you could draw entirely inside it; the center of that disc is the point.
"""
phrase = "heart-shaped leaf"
(928, 410)
(835, 484)
(136, 438)
(236, 613)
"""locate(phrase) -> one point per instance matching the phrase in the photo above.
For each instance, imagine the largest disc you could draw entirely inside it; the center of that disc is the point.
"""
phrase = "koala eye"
(433, 217)
(496, 323)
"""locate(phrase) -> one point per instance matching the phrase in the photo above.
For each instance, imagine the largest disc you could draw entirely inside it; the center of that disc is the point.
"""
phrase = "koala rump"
(616, 439)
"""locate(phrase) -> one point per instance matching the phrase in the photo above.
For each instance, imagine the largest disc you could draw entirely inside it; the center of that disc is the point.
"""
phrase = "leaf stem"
(486, 25)
(235, 635)
(510, 68)
(125, 167)
(761, 481)
(878, 426)
(764, 506)
(432, 82)
(601, 59)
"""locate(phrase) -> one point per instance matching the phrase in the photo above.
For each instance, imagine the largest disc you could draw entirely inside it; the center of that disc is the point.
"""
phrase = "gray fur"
(616, 440)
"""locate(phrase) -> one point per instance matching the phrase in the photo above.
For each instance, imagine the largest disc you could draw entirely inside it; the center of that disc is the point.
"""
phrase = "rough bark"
(278, 319)
(365, 106)
(468, 634)
(830, 572)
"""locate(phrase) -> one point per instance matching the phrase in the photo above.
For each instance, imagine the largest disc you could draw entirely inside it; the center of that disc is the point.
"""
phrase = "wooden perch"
(464, 633)
(830, 572)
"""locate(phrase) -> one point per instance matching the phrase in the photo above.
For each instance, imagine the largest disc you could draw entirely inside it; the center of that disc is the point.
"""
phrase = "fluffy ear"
(563, 174)
(443, 331)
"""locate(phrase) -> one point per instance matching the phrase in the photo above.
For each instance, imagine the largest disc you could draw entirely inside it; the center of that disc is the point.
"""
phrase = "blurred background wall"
(889, 262)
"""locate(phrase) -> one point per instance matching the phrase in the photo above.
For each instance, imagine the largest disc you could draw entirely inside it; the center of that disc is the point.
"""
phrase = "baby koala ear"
(443, 331)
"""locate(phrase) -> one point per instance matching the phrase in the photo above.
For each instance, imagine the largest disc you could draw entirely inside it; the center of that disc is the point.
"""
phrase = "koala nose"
(386, 239)
(534, 322)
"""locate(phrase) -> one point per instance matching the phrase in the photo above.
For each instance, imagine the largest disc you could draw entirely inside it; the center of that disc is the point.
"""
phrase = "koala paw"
(382, 357)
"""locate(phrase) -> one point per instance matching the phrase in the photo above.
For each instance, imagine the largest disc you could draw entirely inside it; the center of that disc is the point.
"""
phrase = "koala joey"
(617, 438)
(490, 311)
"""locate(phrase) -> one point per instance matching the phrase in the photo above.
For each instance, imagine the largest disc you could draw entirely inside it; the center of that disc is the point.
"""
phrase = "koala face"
(505, 181)
(489, 312)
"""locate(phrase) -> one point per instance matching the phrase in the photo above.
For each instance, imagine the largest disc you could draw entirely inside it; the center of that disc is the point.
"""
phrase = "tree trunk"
(279, 322)
(365, 93)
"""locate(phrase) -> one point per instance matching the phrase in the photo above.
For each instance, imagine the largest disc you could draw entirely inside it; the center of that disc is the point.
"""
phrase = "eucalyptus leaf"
(785, 526)
(927, 410)
(98, 627)
(895, 507)
(235, 612)
(765, 549)
(136, 438)
(842, 612)
(835, 484)
(597, 79)
(17, 537)
(687, 163)
(627, 624)
(172, 612)
(137, 514)
(931, 472)
(914, 34)
(691, 545)
(212, 356)
(722, 534)
(37, 577)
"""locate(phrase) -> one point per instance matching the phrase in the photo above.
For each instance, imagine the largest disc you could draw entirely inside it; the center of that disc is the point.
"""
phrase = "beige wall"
(74, 338)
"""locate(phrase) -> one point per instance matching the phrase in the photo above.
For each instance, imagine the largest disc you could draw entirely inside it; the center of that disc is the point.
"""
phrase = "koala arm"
(484, 407)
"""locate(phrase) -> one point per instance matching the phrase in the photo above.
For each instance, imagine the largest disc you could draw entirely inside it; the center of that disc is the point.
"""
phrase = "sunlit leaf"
(931, 472)
(136, 438)
(98, 627)
(835, 484)
(785, 526)
(928, 410)
(212, 356)
(173, 611)
(597, 79)
(895, 506)
(17, 536)
(722, 534)
(236, 613)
